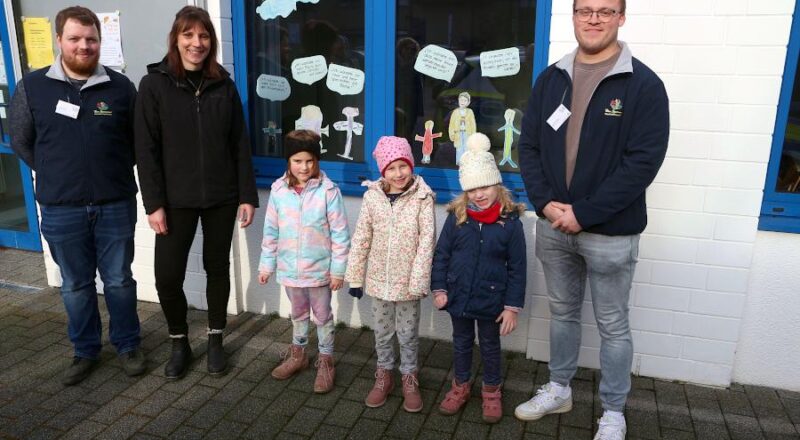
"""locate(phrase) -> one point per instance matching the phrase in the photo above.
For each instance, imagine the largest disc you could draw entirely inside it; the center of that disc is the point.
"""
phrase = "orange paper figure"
(427, 141)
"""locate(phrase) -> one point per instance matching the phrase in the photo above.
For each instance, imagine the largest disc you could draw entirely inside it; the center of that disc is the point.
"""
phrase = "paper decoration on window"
(111, 43)
(272, 133)
(436, 62)
(503, 62)
(509, 130)
(427, 141)
(311, 119)
(350, 126)
(38, 41)
(274, 88)
(462, 125)
(345, 80)
(270, 9)
(309, 70)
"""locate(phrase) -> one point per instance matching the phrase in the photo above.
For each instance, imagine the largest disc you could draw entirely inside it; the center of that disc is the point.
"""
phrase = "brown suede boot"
(294, 360)
(384, 383)
(492, 403)
(325, 374)
(412, 400)
(455, 399)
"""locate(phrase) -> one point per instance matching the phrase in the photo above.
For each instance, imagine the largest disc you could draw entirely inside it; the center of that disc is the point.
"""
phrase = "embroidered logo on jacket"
(102, 109)
(615, 108)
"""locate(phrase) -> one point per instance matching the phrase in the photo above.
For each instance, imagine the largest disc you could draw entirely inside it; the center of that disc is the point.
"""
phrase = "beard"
(81, 66)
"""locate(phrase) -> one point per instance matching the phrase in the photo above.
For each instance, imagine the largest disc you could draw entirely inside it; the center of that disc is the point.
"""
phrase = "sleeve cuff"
(513, 309)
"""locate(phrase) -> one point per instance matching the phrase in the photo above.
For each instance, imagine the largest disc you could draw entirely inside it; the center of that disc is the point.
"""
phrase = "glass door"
(19, 226)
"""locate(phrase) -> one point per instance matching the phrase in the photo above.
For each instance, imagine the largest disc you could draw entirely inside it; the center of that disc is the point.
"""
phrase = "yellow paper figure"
(462, 125)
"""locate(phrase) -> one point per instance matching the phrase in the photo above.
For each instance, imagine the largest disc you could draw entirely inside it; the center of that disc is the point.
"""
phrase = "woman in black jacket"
(194, 163)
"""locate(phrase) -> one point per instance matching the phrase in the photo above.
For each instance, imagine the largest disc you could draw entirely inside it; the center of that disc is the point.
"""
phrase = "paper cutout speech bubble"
(502, 62)
(309, 70)
(270, 9)
(345, 80)
(436, 62)
(274, 88)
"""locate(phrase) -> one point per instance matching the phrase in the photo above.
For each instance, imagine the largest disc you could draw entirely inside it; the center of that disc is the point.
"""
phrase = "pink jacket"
(392, 247)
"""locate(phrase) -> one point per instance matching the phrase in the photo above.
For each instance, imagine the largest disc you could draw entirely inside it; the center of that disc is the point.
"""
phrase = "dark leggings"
(172, 253)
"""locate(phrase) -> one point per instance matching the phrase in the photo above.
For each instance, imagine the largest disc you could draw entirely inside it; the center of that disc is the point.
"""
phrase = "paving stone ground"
(248, 403)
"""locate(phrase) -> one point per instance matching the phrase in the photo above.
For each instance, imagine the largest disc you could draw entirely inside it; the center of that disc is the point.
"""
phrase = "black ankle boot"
(178, 364)
(217, 360)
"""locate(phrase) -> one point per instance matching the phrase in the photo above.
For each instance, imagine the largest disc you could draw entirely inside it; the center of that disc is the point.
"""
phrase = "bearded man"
(72, 123)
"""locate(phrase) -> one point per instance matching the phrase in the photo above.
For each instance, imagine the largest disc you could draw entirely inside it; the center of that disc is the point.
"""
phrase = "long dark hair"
(187, 18)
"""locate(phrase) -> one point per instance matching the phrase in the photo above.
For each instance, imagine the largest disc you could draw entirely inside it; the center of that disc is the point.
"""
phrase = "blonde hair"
(507, 204)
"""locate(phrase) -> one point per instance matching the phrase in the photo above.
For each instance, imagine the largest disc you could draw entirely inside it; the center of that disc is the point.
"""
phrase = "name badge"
(67, 109)
(557, 119)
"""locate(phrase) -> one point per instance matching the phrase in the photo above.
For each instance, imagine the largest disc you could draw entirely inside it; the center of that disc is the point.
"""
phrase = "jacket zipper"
(202, 152)
(391, 233)
(90, 192)
(302, 197)
(477, 260)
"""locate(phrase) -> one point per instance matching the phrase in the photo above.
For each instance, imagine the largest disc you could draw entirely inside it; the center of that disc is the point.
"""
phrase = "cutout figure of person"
(427, 141)
(462, 125)
(509, 130)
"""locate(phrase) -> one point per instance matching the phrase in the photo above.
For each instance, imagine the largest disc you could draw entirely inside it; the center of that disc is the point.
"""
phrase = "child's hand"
(336, 283)
(508, 322)
(263, 277)
(440, 300)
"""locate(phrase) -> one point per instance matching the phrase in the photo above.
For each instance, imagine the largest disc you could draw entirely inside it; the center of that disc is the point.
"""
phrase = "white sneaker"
(546, 401)
(611, 428)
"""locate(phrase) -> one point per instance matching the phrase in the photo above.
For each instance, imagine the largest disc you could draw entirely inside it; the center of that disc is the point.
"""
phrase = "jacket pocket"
(490, 295)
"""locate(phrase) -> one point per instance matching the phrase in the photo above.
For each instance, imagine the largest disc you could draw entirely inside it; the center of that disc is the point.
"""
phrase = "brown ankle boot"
(384, 383)
(455, 399)
(412, 400)
(492, 403)
(325, 374)
(294, 360)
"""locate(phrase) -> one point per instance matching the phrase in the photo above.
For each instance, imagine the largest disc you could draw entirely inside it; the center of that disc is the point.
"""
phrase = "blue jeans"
(464, 340)
(608, 262)
(84, 240)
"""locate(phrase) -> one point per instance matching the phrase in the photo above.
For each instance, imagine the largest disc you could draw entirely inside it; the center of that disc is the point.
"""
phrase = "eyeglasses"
(603, 15)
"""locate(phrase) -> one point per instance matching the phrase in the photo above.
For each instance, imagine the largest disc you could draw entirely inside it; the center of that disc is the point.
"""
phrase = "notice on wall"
(345, 80)
(436, 62)
(3, 77)
(271, 9)
(503, 62)
(111, 41)
(274, 88)
(38, 41)
(309, 70)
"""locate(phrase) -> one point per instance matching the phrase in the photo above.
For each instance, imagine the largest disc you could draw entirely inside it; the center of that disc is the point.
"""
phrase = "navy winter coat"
(481, 266)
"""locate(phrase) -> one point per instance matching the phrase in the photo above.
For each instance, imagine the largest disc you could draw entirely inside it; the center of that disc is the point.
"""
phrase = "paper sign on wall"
(345, 80)
(309, 70)
(111, 43)
(38, 41)
(270, 9)
(274, 88)
(503, 62)
(436, 62)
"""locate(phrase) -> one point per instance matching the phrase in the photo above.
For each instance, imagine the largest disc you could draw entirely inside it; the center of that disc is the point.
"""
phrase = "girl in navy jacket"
(478, 274)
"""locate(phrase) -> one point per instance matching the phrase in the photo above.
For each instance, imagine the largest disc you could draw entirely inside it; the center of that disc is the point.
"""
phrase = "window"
(396, 46)
(780, 210)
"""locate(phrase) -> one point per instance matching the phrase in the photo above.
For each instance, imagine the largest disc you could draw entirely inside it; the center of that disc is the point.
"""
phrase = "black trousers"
(172, 253)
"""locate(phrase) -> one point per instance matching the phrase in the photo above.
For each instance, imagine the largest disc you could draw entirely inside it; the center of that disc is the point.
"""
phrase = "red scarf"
(488, 215)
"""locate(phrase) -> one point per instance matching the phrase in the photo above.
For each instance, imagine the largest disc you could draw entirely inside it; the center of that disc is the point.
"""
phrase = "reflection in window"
(334, 32)
(436, 115)
(789, 168)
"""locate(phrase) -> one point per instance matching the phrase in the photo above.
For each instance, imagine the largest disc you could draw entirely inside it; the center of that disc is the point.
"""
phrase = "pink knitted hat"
(390, 149)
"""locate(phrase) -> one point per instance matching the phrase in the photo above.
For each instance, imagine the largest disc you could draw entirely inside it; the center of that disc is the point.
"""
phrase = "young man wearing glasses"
(593, 138)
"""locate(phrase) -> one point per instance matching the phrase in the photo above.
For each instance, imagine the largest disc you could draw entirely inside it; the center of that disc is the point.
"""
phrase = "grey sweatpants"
(400, 318)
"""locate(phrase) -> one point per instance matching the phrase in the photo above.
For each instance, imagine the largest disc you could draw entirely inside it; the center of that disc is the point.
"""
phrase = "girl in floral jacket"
(391, 260)
(306, 243)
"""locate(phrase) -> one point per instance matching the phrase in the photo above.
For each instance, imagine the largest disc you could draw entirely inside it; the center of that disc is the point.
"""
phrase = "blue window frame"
(378, 114)
(780, 209)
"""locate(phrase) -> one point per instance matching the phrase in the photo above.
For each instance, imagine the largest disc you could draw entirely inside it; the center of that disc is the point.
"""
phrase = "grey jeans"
(609, 263)
(400, 318)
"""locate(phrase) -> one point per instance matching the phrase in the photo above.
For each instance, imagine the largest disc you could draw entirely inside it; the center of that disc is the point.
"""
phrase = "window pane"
(495, 105)
(13, 215)
(331, 29)
(789, 170)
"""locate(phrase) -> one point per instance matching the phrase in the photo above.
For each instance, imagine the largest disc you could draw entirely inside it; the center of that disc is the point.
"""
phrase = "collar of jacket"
(624, 63)
(419, 188)
(56, 72)
(323, 181)
(163, 68)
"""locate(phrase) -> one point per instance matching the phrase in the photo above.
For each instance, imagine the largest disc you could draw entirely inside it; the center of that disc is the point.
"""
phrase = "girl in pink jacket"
(305, 244)
(391, 260)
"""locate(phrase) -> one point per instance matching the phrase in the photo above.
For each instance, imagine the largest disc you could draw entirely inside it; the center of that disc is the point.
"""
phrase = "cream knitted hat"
(477, 167)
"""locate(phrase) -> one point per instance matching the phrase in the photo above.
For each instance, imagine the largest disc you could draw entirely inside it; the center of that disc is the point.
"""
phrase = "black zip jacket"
(192, 148)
